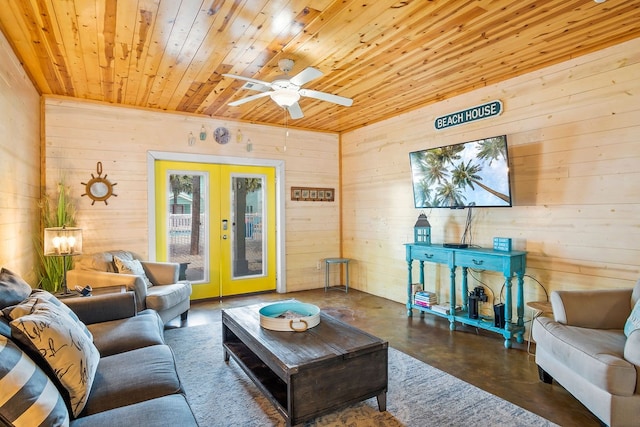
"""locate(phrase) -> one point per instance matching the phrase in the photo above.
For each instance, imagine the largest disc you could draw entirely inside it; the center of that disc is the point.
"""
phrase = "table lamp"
(63, 242)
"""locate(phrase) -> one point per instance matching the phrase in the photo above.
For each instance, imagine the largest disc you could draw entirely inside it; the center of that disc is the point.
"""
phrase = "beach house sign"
(479, 112)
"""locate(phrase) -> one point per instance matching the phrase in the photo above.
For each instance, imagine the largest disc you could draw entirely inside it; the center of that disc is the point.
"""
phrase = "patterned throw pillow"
(56, 338)
(633, 321)
(27, 395)
(37, 295)
(12, 288)
(131, 267)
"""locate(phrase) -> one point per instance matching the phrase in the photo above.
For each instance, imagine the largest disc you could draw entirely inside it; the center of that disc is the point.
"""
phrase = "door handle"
(224, 237)
(225, 224)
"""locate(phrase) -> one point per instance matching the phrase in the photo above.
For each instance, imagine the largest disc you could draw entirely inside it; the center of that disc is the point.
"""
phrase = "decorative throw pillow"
(633, 321)
(100, 261)
(25, 307)
(27, 396)
(58, 340)
(12, 288)
(131, 267)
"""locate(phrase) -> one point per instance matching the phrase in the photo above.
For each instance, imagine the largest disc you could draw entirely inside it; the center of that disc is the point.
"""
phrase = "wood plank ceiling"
(390, 56)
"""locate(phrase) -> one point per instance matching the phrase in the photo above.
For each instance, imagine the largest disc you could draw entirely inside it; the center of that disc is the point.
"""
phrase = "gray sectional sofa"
(90, 361)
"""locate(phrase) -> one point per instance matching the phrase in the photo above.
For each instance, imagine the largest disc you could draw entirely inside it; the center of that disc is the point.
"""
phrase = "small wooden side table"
(327, 263)
(538, 308)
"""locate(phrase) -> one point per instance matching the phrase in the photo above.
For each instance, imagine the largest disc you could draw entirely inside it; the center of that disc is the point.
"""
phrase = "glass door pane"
(187, 224)
(218, 221)
(247, 211)
(248, 229)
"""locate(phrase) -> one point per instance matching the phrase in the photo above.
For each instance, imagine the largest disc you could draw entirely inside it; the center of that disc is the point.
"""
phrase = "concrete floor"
(475, 356)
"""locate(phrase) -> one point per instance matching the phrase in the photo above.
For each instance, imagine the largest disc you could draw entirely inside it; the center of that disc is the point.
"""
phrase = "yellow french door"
(247, 229)
(218, 222)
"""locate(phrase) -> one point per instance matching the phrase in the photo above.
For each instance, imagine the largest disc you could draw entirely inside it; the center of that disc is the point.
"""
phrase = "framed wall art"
(312, 194)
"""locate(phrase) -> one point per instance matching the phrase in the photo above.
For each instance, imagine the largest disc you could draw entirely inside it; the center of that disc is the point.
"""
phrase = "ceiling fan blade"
(323, 96)
(305, 76)
(295, 111)
(249, 99)
(259, 87)
(247, 79)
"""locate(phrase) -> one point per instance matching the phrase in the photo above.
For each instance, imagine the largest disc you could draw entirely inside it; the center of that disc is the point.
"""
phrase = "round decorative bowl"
(289, 316)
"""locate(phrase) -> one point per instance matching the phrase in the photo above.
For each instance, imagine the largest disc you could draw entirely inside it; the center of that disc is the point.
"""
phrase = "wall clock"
(99, 188)
(221, 135)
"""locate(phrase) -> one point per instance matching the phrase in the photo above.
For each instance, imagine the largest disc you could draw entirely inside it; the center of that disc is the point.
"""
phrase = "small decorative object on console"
(502, 244)
(422, 230)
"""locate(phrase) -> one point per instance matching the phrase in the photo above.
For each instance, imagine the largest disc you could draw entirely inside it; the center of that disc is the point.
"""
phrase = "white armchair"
(162, 292)
(586, 350)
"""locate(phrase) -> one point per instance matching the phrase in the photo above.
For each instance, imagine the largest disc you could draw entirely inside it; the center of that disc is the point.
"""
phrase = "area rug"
(221, 394)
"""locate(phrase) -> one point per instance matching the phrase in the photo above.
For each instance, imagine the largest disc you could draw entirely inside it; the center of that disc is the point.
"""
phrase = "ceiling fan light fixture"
(285, 97)
(285, 65)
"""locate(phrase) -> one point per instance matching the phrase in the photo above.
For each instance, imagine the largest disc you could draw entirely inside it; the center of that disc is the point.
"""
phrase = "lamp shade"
(62, 241)
(285, 97)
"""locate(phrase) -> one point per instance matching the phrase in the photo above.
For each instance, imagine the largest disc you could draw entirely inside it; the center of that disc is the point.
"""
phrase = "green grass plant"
(54, 213)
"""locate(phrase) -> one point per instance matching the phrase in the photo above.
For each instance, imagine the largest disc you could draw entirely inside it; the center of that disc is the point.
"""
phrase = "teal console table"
(508, 263)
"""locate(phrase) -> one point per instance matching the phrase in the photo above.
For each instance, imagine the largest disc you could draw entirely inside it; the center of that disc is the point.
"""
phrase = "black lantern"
(422, 230)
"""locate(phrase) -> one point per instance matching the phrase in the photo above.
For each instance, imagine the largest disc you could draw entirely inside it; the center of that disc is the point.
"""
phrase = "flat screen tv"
(474, 173)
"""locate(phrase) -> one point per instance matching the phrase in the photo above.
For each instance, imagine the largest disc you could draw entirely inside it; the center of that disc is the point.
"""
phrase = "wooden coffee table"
(307, 374)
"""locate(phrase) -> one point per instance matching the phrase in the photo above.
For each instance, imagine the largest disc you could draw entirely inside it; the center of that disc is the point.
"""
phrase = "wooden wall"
(79, 134)
(574, 136)
(574, 147)
(19, 166)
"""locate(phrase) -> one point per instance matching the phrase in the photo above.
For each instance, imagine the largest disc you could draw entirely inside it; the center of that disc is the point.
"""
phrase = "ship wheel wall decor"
(99, 188)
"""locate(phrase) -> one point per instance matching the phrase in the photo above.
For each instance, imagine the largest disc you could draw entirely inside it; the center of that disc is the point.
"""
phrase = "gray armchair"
(586, 350)
(158, 288)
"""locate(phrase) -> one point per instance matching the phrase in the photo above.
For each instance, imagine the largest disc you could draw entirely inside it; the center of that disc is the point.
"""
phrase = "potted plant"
(53, 214)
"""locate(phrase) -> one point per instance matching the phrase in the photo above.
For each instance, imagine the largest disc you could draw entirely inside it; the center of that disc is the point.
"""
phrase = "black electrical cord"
(467, 228)
(535, 280)
(546, 294)
(484, 285)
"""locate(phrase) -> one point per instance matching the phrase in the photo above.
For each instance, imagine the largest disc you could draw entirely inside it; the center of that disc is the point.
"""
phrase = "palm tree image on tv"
(474, 173)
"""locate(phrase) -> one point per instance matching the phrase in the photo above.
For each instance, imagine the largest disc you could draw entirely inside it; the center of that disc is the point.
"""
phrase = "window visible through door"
(218, 222)
(187, 225)
(247, 210)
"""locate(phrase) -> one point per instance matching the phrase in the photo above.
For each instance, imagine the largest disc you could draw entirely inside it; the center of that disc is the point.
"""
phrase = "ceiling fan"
(286, 91)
